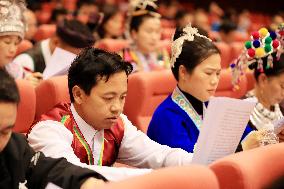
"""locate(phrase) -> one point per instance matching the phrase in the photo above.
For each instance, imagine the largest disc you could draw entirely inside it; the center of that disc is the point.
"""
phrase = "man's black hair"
(8, 88)
(93, 64)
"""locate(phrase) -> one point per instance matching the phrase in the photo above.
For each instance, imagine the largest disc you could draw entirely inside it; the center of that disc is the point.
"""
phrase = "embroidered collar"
(159, 59)
(87, 130)
(179, 98)
(197, 104)
(95, 146)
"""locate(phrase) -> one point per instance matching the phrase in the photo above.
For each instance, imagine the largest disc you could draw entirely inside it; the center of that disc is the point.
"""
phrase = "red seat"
(236, 49)
(113, 45)
(146, 90)
(187, 177)
(168, 33)
(240, 37)
(167, 23)
(226, 56)
(23, 46)
(45, 31)
(252, 169)
(69, 5)
(225, 87)
(26, 107)
(50, 92)
(215, 36)
(166, 44)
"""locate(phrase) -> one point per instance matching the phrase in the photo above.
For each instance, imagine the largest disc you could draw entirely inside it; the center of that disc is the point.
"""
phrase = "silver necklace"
(261, 116)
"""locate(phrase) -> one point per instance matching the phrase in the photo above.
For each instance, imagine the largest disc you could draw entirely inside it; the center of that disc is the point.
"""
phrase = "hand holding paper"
(224, 123)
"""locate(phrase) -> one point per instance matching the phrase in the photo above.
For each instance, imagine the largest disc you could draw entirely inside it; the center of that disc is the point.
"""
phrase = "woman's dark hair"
(193, 53)
(92, 65)
(276, 70)
(82, 3)
(136, 21)
(227, 26)
(109, 13)
(8, 88)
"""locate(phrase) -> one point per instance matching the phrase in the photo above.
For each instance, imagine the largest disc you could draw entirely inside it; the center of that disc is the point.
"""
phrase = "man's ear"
(78, 94)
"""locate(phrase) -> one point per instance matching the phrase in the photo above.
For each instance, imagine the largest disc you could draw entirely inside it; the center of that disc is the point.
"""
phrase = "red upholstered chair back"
(252, 169)
(45, 31)
(226, 56)
(50, 92)
(23, 46)
(241, 36)
(113, 45)
(26, 107)
(168, 33)
(187, 177)
(236, 49)
(146, 90)
(168, 23)
(225, 87)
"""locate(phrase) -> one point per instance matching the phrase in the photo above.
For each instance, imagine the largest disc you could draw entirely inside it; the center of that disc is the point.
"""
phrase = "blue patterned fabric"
(170, 125)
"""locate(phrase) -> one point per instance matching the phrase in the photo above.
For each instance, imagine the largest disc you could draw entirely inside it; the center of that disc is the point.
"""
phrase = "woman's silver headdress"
(11, 17)
(139, 8)
(188, 35)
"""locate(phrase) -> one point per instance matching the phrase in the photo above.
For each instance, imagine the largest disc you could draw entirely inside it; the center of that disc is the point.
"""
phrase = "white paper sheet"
(224, 123)
(59, 63)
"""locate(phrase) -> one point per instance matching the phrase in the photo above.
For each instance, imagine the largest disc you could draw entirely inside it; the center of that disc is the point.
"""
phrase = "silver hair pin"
(142, 4)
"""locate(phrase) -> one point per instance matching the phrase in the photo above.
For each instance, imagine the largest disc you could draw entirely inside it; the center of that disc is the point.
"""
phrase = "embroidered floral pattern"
(185, 105)
(65, 120)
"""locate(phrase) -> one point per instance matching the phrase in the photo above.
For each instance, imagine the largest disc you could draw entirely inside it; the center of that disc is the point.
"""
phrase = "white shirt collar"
(87, 130)
(46, 50)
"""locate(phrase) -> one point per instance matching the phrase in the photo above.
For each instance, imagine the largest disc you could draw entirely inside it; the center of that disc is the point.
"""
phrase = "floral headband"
(262, 44)
(188, 35)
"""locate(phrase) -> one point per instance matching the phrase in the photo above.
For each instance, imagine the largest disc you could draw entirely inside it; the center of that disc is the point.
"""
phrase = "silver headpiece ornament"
(11, 17)
(138, 7)
(188, 35)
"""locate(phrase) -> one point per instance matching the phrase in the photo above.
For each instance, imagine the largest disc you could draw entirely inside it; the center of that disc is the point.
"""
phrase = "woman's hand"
(259, 138)
(252, 140)
(34, 78)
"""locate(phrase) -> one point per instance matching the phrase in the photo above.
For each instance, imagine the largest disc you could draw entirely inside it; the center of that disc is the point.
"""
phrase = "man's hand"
(92, 183)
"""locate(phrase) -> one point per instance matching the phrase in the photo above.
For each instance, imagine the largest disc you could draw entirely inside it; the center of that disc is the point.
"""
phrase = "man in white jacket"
(91, 131)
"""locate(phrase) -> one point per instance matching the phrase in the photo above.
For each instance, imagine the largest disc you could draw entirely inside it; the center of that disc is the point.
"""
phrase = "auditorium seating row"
(146, 90)
(228, 52)
(251, 169)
